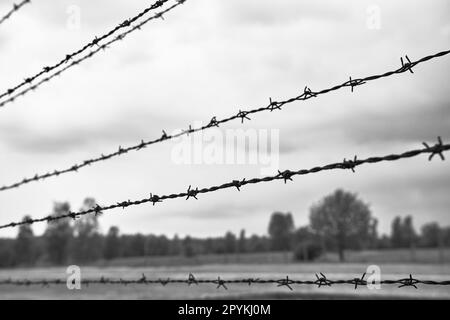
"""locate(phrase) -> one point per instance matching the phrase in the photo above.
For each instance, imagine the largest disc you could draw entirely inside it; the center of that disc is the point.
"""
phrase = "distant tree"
(373, 239)
(58, 235)
(176, 246)
(446, 236)
(188, 247)
(137, 245)
(87, 244)
(157, 245)
(306, 244)
(431, 235)
(242, 242)
(230, 242)
(397, 237)
(258, 244)
(24, 246)
(7, 253)
(384, 242)
(281, 228)
(408, 229)
(403, 234)
(343, 219)
(112, 244)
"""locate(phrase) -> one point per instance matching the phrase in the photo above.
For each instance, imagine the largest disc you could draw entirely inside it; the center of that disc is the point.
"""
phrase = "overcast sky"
(212, 58)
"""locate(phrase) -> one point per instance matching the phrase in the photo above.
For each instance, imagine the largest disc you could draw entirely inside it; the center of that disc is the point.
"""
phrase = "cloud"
(138, 125)
(268, 14)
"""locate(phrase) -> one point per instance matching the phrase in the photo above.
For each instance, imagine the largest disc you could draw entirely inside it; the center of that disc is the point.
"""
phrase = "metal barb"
(408, 282)
(322, 280)
(437, 149)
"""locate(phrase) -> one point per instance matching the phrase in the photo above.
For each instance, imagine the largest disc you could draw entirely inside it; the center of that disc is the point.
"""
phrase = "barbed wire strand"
(320, 281)
(287, 175)
(94, 43)
(15, 8)
(100, 48)
(242, 115)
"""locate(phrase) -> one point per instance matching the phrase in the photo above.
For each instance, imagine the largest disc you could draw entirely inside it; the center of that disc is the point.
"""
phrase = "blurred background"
(213, 58)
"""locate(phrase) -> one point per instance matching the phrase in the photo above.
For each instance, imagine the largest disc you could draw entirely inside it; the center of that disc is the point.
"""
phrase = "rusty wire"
(69, 59)
(15, 8)
(320, 281)
(287, 175)
(242, 115)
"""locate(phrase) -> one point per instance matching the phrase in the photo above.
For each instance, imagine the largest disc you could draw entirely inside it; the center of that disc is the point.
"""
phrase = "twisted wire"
(15, 8)
(320, 280)
(69, 58)
(241, 115)
(435, 150)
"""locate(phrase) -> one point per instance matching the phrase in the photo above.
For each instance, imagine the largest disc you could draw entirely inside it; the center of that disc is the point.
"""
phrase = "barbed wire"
(94, 43)
(287, 175)
(15, 8)
(242, 115)
(320, 281)
(100, 48)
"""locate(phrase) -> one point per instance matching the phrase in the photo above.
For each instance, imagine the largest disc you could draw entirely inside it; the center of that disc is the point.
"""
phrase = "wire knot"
(307, 93)
(408, 282)
(189, 130)
(322, 280)
(143, 279)
(350, 164)
(191, 193)
(192, 280)
(97, 210)
(285, 283)
(164, 282)
(213, 122)
(220, 283)
(72, 215)
(250, 281)
(274, 105)
(437, 149)
(237, 184)
(243, 115)
(154, 198)
(142, 145)
(286, 175)
(406, 65)
(354, 83)
(124, 204)
(359, 281)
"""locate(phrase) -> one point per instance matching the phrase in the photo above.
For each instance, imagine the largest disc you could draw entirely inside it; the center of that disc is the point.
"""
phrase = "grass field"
(394, 264)
(425, 256)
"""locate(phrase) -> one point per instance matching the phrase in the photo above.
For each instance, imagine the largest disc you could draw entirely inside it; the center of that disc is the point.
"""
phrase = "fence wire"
(287, 175)
(70, 61)
(241, 115)
(15, 8)
(320, 281)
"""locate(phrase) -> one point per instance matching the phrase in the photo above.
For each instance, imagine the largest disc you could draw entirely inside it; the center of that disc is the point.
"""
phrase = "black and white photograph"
(198, 150)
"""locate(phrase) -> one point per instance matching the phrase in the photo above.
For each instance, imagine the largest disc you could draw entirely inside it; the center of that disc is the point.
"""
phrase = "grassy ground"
(304, 271)
(425, 256)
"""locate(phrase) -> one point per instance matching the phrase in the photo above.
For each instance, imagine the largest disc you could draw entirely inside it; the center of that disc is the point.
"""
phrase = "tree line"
(338, 222)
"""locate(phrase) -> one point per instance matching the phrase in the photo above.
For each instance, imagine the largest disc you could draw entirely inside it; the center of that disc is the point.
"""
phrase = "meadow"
(393, 263)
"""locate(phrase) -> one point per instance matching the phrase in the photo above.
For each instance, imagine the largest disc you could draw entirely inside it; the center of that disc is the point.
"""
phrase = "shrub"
(307, 251)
